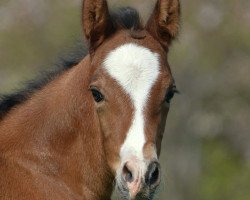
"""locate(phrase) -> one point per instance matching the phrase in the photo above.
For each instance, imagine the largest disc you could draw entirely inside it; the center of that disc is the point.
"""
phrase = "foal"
(97, 121)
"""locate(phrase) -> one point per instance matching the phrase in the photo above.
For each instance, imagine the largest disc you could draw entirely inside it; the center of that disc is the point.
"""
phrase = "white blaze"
(136, 69)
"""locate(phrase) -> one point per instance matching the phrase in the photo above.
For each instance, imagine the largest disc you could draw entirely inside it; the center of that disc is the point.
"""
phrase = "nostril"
(127, 174)
(153, 174)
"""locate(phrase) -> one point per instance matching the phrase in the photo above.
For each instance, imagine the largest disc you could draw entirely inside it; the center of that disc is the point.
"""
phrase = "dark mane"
(8, 101)
(126, 18)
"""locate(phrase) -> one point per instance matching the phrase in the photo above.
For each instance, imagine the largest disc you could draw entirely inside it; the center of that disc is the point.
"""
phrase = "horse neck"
(59, 124)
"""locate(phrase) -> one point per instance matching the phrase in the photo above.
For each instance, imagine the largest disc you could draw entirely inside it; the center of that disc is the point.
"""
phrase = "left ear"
(164, 22)
(96, 23)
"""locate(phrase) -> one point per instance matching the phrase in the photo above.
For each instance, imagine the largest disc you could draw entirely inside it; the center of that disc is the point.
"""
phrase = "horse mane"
(125, 18)
(9, 101)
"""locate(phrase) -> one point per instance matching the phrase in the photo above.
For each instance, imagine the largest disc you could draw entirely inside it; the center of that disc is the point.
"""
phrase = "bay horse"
(97, 121)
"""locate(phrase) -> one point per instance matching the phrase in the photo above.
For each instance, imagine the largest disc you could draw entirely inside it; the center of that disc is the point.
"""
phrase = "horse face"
(131, 87)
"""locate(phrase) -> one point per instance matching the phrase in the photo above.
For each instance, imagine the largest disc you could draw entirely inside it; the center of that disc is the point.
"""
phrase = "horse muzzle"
(138, 179)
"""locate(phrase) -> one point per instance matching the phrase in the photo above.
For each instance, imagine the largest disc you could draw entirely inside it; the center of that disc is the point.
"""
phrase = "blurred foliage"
(226, 175)
(206, 150)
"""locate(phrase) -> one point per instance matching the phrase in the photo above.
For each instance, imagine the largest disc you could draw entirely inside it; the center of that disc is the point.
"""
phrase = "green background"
(206, 147)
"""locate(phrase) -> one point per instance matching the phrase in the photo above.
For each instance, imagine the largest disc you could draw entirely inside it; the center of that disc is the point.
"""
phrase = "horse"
(97, 124)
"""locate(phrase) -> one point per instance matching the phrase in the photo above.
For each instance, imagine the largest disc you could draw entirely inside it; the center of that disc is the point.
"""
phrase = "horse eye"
(98, 97)
(170, 94)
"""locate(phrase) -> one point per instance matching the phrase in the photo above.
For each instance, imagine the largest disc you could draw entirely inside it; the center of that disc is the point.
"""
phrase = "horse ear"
(164, 22)
(95, 22)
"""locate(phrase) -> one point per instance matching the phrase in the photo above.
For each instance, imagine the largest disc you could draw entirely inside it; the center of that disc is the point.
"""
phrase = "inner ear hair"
(170, 16)
(164, 23)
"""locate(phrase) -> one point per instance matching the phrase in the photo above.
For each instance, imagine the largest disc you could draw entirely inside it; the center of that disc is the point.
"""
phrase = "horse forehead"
(135, 68)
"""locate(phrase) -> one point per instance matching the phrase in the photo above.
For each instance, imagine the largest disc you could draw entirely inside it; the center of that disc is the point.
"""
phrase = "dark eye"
(170, 94)
(98, 97)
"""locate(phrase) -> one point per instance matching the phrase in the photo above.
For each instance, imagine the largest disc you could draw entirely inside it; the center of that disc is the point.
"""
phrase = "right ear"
(96, 23)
